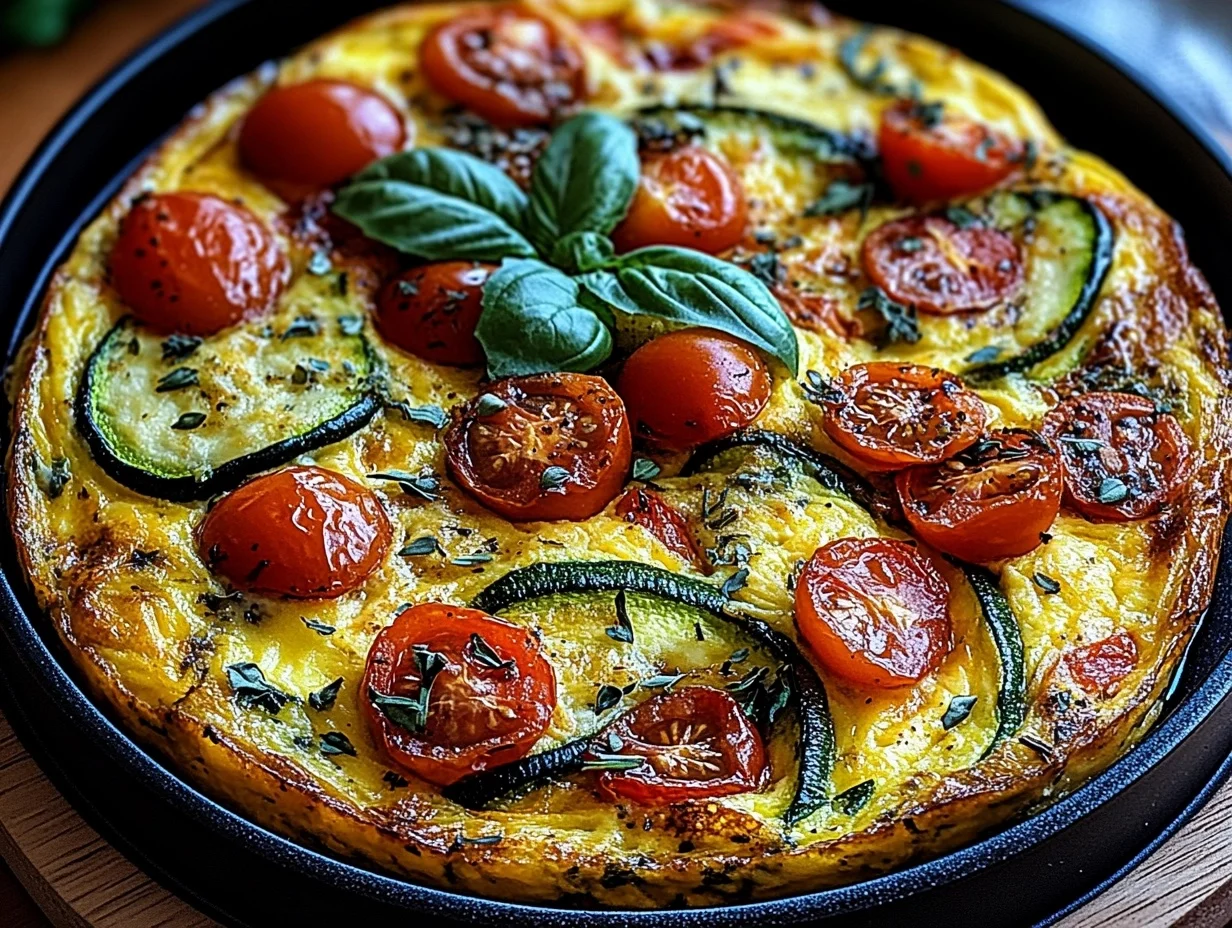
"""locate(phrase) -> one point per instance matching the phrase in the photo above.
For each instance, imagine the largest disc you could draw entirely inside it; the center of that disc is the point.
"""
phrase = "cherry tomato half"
(303, 532)
(688, 197)
(939, 267)
(989, 501)
(925, 159)
(545, 446)
(693, 386)
(697, 742)
(1123, 458)
(194, 263)
(875, 611)
(889, 414)
(645, 507)
(432, 311)
(302, 137)
(491, 691)
(1101, 666)
(510, 67)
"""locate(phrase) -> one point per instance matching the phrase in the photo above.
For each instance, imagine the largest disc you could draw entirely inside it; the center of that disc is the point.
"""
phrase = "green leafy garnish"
(325, 697)
(957, 711)
(252, 690)
(851, 801)
(840, 196)
(902, 324)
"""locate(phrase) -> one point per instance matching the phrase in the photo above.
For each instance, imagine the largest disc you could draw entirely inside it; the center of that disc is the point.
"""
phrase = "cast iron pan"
(1032, 872)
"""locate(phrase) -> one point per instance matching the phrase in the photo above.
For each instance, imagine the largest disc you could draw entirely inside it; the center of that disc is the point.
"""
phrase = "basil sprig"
(439, 204)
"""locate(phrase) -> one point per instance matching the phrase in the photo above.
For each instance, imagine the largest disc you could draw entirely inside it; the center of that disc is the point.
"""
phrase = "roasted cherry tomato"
(432, 311)
(303, 532)
(688, 197)
(545, 446)
(875, 611)
(302, 137)
(940, 159)
(1100, 667)
(645, 507)
(697, 742)
(490, 691)
(889, 414)
(939, 267)
(1123, 458)
(510, 67)
(989, 501)
(194, 263)
(693, 386)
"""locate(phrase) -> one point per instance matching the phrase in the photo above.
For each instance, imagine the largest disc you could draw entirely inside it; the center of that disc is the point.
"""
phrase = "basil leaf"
(582, 251)
(584, 180)
(532, 323)
(690, 288)
(456, 174)
(434, 226)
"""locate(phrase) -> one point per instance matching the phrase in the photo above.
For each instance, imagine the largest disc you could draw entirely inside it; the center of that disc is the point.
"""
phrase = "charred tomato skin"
(990, 501)
(841, 609)
(1124, 458)
(502, 443)
(690, 198)
(507, 65)
(648, 509)
(300, 532)
(1100, 667)
(940, 268)
(431, 311)
(300, 138)
(481, 712)
(195, 263)
(698, 744)
(693, 386)
(891, 414)
(926, 160)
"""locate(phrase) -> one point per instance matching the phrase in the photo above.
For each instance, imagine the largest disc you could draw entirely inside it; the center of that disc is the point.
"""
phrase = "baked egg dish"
(625, 452)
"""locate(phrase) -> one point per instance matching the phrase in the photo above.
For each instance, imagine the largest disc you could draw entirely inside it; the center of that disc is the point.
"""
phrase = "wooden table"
(79, 881)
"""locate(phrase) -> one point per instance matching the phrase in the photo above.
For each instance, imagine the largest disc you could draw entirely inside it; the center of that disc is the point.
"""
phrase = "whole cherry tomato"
(926, 158)
(989, 501)
(697, 743)
(301, 137)
(303, 532)
(890, 414)
(875, 611)
(693, 386)
(195, 263)
(1100, 667)
(432, 311)
(545, 446)
(1124, 459)
(644, 507)
(508, 66)
(449, 691)
(939, 267)
(688, 197)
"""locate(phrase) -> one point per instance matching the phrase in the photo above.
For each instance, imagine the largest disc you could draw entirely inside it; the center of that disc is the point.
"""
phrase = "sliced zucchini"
(807, 694)
(1007, 638)
(183, 422)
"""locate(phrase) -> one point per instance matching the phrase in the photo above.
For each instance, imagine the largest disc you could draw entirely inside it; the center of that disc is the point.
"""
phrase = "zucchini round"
(128, 389)
(817, 742)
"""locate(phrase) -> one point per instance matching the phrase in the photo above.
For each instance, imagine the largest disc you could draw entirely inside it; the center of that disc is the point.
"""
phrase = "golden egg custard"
(623, 452)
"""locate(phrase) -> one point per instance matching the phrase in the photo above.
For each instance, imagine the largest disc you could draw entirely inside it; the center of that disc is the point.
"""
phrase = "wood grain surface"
(78, 880)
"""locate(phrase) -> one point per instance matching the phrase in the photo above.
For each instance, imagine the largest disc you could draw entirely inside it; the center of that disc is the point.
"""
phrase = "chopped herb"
(319, 264)
(143, 559)
(334, 743)
(749, 680)
(902, 325)
(963, 217)
(985, 146)
(554, 477)
(958, 710)
(849, 56)
(179, 347)
(350, 324)
(470, 560)
(1112, 490)
(663, 681)
(485, 655)
(489, 404)
(909, 245)
(1046, 583)
(302, 327)
(428, 415)
(697, 631)
(461, 840)
(851, 801)
(985, 355)
(189, 420)
(623, 629)
(411, 712)
(176, 380)
(395, 780)
(252, 690)
(408, 288)
(735, 583)
(52, 480)
(425, 484)
(839, 197)
(1082, 444)
(927, 115)
(739, 656)
(598, 760)
(645, 469)
(1042, 748)
(325, 697)
(426, 544)
(607, 697)
(766, 268)
(319, 627)
(819, 390)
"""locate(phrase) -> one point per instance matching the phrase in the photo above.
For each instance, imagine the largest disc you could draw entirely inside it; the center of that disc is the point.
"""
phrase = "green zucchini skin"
(1101, 248)
(817, 741)
(1007, 637)
(479, 790)
(226, 476)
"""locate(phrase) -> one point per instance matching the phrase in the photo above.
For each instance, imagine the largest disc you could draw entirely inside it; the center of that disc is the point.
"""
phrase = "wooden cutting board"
(79, 880)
